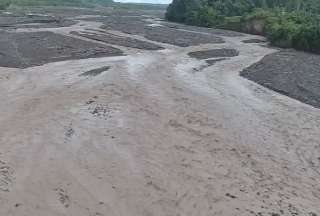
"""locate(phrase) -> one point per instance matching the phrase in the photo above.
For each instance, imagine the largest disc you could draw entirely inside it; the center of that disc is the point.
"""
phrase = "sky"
(146, 1)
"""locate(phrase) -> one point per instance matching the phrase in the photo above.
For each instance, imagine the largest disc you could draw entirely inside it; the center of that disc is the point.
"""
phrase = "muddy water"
(154, 136)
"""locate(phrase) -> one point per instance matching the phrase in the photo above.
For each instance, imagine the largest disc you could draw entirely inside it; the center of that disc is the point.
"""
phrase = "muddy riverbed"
(110, 115)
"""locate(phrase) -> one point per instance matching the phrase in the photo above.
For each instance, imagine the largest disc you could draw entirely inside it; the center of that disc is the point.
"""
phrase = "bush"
(289, 29)
(181, 10)
(205, 16)
(4, 4)
(286, 23)
(296, 30)
(282, 34)
(308, 38)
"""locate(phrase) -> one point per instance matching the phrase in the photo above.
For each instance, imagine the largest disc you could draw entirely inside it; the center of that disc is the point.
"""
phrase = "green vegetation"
(289, 29)
(286, 23)
(4, 4)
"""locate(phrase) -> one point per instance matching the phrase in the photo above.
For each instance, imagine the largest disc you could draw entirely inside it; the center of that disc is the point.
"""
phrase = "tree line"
(183, 10)
(286, 23)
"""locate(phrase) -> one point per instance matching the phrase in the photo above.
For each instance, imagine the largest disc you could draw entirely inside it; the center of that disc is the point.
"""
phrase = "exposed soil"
(292, 73)
(214, 53)
(30, 49)
(152, 132)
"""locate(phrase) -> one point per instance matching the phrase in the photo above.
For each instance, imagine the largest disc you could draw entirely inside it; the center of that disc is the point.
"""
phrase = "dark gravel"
(213, 61)
(128, 25)
(180, 38)
(163, 34)
(23, 50)
(213, 31)
(19, 20)
(95, 72)
(214, 53)
(119, 40)
(67, 12)
(292, 73)
(254, 41)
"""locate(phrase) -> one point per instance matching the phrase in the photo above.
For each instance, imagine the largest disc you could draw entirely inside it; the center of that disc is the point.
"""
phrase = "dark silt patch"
(96, 71)
(255, 40)
(22, 50)
(214, 53)
(289, 72)
(119, 40)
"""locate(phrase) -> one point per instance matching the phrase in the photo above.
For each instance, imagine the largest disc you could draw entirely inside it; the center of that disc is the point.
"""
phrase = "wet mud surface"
(292, 73)
(98, 129)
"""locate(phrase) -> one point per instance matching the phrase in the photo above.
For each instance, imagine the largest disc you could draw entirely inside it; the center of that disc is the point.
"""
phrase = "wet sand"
(150, 136)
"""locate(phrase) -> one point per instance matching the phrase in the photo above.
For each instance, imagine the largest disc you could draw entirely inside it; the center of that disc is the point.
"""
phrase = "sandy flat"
(153, 136)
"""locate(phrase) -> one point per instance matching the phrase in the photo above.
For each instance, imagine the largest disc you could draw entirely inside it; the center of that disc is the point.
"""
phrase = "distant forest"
(287, 23)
